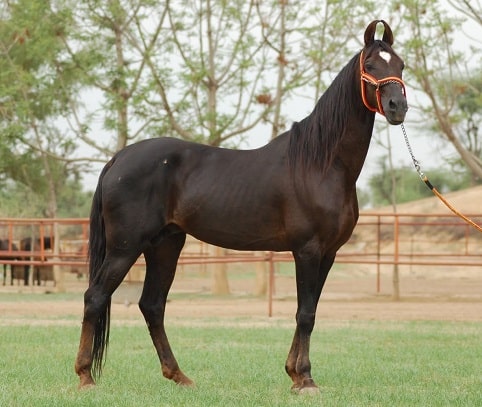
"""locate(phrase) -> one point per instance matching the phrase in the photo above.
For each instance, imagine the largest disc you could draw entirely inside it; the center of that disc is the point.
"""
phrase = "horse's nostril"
(394, 105)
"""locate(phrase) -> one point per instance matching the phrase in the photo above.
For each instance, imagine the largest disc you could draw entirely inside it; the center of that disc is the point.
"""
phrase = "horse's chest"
(335, 222)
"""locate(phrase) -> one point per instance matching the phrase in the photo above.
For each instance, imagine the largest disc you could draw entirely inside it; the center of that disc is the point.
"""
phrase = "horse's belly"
(241, 241)
(236, 229)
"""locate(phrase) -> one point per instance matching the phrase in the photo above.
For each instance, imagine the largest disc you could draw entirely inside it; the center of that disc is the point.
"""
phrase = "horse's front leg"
(311, 273)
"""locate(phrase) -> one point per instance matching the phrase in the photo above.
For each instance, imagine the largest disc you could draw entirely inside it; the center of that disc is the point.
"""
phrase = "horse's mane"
(314, 140)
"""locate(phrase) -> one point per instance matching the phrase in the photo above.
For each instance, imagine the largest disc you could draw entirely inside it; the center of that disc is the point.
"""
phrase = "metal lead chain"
(415, 161)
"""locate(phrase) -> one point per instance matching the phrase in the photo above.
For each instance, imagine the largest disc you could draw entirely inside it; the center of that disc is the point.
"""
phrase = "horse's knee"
(305, 321)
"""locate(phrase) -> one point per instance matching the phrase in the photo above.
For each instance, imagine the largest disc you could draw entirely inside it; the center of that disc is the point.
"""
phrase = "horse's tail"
(97, 250)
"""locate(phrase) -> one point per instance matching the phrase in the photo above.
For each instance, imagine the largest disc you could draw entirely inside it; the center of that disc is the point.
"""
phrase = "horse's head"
(382, 88)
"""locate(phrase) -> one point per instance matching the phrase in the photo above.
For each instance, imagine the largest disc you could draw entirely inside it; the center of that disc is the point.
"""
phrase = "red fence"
(379, 239)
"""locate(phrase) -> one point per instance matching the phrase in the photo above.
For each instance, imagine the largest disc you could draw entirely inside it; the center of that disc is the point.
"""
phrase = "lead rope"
(425, 179)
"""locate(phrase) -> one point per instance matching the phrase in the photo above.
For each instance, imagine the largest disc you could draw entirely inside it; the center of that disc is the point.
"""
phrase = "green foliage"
(409, 187)
(31, 46)
(35, 93)
(18, 200)
(469, 103)
(444, 72)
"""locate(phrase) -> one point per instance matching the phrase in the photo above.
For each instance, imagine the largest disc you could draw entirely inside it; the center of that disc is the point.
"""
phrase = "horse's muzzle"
(395, 107)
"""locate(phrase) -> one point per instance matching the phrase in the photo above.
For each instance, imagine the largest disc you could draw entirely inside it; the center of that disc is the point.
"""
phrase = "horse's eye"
(369, 66)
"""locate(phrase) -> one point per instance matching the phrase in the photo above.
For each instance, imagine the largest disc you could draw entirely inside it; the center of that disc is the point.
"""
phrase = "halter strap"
(378, 83)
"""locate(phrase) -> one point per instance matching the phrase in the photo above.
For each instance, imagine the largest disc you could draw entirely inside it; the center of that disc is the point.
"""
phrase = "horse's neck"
(354, 145)
(357, 123)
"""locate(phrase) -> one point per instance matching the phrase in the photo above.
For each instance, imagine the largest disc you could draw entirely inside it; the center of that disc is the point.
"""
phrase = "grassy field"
(355, 364)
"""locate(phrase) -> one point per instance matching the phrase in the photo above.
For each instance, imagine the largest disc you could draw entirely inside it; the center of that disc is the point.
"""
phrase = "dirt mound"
(468, 201)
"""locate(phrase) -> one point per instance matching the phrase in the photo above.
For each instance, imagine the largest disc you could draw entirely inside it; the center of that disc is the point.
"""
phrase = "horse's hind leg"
(97, 301)
(161, 264)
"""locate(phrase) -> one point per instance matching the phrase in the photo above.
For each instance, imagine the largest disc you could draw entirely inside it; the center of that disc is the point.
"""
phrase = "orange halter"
(378, 83)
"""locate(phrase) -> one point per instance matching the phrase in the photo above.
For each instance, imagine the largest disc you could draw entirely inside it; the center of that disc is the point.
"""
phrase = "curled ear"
(371, 29)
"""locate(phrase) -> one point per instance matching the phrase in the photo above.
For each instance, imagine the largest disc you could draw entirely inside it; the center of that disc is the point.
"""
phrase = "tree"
(437, 68)
(468, 115)
(469, 8)
(308, 45)
(111, 74)
(215, 70)
(35, 85)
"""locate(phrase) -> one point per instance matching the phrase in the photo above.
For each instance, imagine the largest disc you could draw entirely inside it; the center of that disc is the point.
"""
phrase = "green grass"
(356, 364)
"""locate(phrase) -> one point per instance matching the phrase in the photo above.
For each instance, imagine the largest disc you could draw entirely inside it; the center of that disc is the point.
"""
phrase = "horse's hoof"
(182, 380)
(186, 383)
(86, 386)
(86, 381)
(310, 391)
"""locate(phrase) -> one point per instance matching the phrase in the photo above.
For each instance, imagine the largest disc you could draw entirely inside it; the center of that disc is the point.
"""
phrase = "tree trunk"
(122, 94)
(220, 279)
(275, 130)
(261, 288)
(57, 271)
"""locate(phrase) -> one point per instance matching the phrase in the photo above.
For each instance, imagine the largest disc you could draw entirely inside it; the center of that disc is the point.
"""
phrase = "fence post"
(220, 279)
(396, 278)
(271, 284)
(378, 252)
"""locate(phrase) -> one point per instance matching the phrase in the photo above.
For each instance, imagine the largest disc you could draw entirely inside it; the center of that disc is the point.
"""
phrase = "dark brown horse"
(6, 245)
(296, 193)
(23, 272)
(29, 244)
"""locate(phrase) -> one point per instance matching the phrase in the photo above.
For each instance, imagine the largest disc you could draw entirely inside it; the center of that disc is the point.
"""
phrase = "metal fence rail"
(378, 239)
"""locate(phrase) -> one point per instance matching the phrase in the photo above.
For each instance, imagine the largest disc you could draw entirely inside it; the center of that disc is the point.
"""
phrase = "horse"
(28, 244)
(5, 245)
(297, 193)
